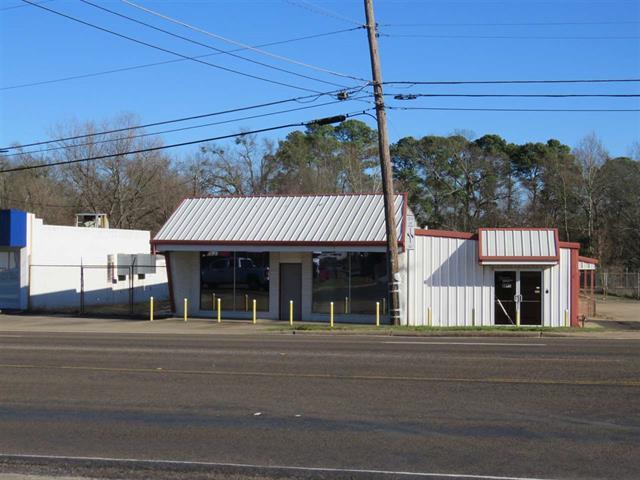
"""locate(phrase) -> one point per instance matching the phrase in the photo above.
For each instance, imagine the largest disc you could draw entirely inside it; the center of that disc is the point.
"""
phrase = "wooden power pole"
(385, 167)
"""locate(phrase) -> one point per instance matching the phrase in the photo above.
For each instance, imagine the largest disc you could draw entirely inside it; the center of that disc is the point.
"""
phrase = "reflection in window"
(236, 278)
(353, 281)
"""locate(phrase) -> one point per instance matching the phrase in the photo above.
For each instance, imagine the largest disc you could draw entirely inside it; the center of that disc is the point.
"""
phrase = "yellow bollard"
(518, 318)
(291, 312)
(186, 309)
(331, 314)
(151, 309)
(384, 306)
(346, 304)
(377, 314)
(219, 309)
(429, 317)
(566, 318)
(246, 302)
(254, 311)
(213, 303)
(473, 317)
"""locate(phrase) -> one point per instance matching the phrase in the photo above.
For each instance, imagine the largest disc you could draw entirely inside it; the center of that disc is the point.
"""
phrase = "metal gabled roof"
(282, 219)
(518, 245)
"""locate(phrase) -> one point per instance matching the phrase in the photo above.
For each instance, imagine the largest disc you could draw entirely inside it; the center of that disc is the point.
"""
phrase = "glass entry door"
(518, 292)
(505, 298)
(530, 298)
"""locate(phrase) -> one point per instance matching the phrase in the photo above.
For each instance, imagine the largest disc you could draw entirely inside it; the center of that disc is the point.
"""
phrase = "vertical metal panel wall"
(445, 276)
(557, 280)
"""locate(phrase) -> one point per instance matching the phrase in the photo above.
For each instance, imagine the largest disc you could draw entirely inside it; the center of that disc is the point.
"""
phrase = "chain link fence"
(99, 289)
(621, 284)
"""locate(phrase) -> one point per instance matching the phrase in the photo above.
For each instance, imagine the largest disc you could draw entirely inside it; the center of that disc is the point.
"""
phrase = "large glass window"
(354, 282)
(236, 278)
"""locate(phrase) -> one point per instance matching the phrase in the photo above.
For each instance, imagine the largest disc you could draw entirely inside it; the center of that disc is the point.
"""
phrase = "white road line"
(266, 467)
(469, 343)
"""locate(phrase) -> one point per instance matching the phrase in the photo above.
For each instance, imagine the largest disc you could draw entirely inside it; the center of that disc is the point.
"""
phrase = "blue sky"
(37, 46)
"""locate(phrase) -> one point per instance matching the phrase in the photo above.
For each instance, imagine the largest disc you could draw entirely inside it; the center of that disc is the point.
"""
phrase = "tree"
(590, 155)
(327, 159)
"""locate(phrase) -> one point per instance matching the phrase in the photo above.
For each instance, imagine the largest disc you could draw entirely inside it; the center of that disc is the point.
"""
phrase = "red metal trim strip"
(593, 261)
(575, 289)
(446, 234)
(572, 245)
(269, 243)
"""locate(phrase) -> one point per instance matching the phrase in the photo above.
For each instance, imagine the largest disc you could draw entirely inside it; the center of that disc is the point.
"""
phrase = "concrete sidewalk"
(174, 326)
(19, 324)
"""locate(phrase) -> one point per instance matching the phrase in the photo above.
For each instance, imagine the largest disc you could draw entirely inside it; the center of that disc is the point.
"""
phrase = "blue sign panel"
(13, 228)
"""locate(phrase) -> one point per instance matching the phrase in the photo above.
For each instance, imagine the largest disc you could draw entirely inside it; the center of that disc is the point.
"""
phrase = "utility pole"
(385, 167)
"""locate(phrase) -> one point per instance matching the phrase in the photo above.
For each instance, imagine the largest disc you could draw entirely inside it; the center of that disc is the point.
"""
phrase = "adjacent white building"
(52, 267)
(322, 250)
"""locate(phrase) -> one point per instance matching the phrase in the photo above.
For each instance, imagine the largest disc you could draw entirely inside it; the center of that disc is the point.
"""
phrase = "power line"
(162, 49)
(335, 119)
(460, 109)
(504, 82)
(165, 122)
(192, 127)
(322, 11)
(509, 37)
(505, 24)
(195, 42)
(244, 45)
(413, 96)
(13, 7)
(177, 60)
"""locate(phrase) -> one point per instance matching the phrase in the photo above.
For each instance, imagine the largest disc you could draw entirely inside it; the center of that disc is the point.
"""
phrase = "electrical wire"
(165, 122)
(244, 45)
(413, 96)
(457, 109)
(504, 37)
(505, 82)
(195, 42)
(174, 145)
(506, 24)
(192, 127)
(177, 60)
(172, 52)
(13, 7)
(322, 11)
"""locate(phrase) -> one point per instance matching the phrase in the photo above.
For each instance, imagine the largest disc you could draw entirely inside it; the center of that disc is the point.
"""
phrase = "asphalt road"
(312, 406)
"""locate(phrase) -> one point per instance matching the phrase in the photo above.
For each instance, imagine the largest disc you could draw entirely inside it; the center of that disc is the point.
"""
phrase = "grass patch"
(392, 329)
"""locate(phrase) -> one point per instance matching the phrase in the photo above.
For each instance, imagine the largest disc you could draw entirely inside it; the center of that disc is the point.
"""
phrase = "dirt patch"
(617, 308)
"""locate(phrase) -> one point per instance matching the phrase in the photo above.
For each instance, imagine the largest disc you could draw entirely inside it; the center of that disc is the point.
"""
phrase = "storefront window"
(354, 282)
(368, 282)
(236, 278)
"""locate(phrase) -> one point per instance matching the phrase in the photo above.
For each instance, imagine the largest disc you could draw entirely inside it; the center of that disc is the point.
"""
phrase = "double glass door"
(518, 295)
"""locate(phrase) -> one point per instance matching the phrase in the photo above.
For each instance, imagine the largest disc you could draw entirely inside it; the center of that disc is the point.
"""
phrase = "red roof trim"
(446, 234)
(286, 244)
(593, 261)
(524, 259)
(572, 245)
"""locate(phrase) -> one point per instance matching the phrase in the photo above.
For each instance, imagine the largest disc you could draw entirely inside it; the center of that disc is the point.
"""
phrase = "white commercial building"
(328, 251)
(51, 267)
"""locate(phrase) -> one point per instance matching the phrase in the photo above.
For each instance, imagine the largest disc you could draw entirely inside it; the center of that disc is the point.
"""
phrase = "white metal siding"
(444, 275)
(518, 243)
